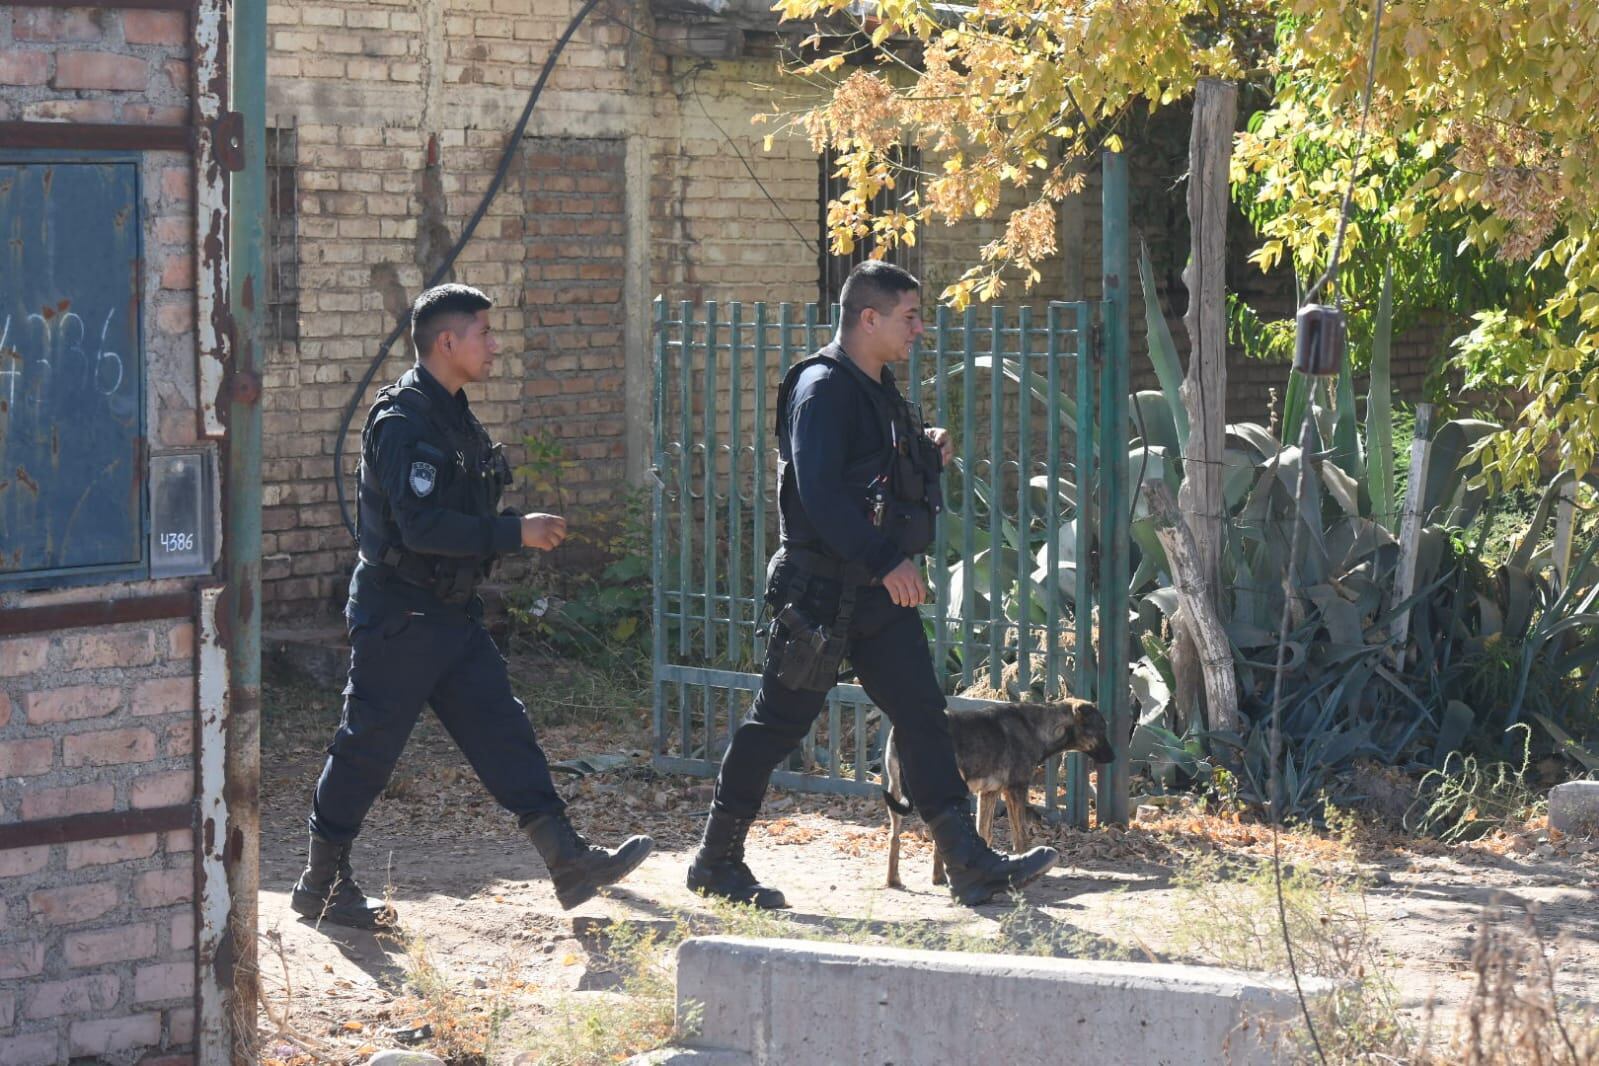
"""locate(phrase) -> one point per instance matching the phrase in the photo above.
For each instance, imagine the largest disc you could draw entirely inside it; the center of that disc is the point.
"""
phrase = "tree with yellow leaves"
(1484, 129)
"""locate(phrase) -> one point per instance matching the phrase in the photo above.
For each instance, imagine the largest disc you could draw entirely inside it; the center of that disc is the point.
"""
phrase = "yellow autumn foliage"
(1498, 98)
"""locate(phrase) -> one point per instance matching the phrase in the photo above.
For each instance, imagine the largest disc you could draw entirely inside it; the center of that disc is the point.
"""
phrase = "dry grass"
(1228, 916)
(1515, 1016)
(591, 1028)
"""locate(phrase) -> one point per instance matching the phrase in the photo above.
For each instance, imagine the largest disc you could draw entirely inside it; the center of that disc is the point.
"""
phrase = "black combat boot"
(718, 868)
(327, 892)
(578, 868)
(976, 871)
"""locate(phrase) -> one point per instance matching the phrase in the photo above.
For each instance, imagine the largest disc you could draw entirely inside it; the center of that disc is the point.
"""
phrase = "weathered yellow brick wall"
(402, 110)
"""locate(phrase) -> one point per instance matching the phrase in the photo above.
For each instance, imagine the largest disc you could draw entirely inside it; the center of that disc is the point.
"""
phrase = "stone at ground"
(1574, 808)
(404, 1058)
(892, 1005)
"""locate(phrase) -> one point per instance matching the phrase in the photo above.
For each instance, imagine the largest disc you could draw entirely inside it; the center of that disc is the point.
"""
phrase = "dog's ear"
(1085, 709)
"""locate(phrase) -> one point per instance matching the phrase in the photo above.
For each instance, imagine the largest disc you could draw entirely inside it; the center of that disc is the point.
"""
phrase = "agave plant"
(1350, 689)
(1488, 643)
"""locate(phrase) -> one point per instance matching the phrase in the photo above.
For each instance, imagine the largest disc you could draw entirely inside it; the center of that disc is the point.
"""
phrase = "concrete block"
(688, 1056)
(1574, 808)
(801, 1003)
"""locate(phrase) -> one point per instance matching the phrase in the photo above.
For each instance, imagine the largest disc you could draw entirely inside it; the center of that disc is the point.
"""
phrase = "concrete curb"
(681, 1056)
(801, 1003)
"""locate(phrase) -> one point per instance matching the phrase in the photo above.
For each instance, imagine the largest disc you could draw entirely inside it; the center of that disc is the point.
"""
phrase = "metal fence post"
(658, 522)
(1087, 678)
(996, 509)
(1114, 516)
(241, 599)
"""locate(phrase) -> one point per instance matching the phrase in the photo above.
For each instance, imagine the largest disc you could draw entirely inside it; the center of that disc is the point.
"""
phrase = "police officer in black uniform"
(429, 532)
(858, 493)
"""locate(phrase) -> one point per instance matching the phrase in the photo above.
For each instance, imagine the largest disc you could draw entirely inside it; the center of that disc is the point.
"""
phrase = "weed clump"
(1467, 798)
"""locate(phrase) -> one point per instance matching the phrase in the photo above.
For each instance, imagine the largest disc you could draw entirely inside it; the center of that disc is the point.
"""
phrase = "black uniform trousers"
(888, 650)
(400, 661)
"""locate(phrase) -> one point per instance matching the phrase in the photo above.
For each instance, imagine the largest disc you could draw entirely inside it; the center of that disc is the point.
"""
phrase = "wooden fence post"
(1215, 652)
(1411, 520)
(1565, 514)
(1201, 501)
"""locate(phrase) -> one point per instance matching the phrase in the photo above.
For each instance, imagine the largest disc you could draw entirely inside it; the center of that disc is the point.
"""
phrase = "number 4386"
(177, 542)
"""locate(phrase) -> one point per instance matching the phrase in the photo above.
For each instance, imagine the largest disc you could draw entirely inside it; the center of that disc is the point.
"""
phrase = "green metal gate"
(1029, 570)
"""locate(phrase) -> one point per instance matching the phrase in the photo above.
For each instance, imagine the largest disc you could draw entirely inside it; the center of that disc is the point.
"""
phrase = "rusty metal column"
(1115, 542)
(241, 600)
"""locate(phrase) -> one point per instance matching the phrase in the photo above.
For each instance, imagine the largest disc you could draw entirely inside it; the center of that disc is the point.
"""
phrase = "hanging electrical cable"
(512, 145)
(1319, 342)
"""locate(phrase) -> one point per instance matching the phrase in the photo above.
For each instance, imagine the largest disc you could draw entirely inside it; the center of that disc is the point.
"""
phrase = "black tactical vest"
(898, 487)
(473, 475)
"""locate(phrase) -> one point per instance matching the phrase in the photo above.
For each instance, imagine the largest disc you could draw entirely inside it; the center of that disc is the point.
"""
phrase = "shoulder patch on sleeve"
(424, 476)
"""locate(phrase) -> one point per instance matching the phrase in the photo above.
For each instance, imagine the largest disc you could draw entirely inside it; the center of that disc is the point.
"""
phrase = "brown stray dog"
(997, 749)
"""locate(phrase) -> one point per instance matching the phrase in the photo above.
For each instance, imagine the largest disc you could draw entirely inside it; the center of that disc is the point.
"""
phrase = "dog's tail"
(897, 806)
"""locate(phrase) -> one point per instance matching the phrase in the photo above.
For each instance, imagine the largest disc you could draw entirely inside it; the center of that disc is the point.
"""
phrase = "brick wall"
(97, 959)
(87, 64)
(384, 183)
(97, 936)
(401, 115)
(574, 269)
(400, 118)
(724, 227)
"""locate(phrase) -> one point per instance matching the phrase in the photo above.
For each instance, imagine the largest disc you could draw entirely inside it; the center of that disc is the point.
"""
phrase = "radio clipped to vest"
(909, 494)
(499, 474)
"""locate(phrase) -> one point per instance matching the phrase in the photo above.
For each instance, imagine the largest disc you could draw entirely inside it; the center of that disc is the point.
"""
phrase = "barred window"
(835, 268)
(283, 235)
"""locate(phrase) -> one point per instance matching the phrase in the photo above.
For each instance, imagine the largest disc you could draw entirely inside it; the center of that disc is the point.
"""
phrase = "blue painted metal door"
(71, 380)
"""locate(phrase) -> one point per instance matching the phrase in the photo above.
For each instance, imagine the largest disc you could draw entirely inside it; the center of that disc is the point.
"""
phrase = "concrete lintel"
(561, 113)
(801, 1003)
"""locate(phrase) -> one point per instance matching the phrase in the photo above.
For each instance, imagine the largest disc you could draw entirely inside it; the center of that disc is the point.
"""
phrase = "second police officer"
(429, 532)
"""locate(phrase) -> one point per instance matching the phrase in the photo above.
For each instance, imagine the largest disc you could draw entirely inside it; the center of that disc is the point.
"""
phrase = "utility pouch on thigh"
(809, 656)
(806, 656)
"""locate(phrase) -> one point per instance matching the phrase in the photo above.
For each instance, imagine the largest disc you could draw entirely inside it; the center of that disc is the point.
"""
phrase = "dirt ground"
(476, 906)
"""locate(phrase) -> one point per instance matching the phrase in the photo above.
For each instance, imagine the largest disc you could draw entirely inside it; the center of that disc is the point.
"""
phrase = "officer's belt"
(821, 565)
(413, 569)
(406, 566)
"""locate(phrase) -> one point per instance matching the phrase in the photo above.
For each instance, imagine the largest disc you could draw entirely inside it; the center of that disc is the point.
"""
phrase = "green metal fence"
(1014, 594)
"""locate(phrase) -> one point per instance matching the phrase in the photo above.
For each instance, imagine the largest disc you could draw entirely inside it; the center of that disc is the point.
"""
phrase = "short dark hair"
(437, 310)
(874, 284)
